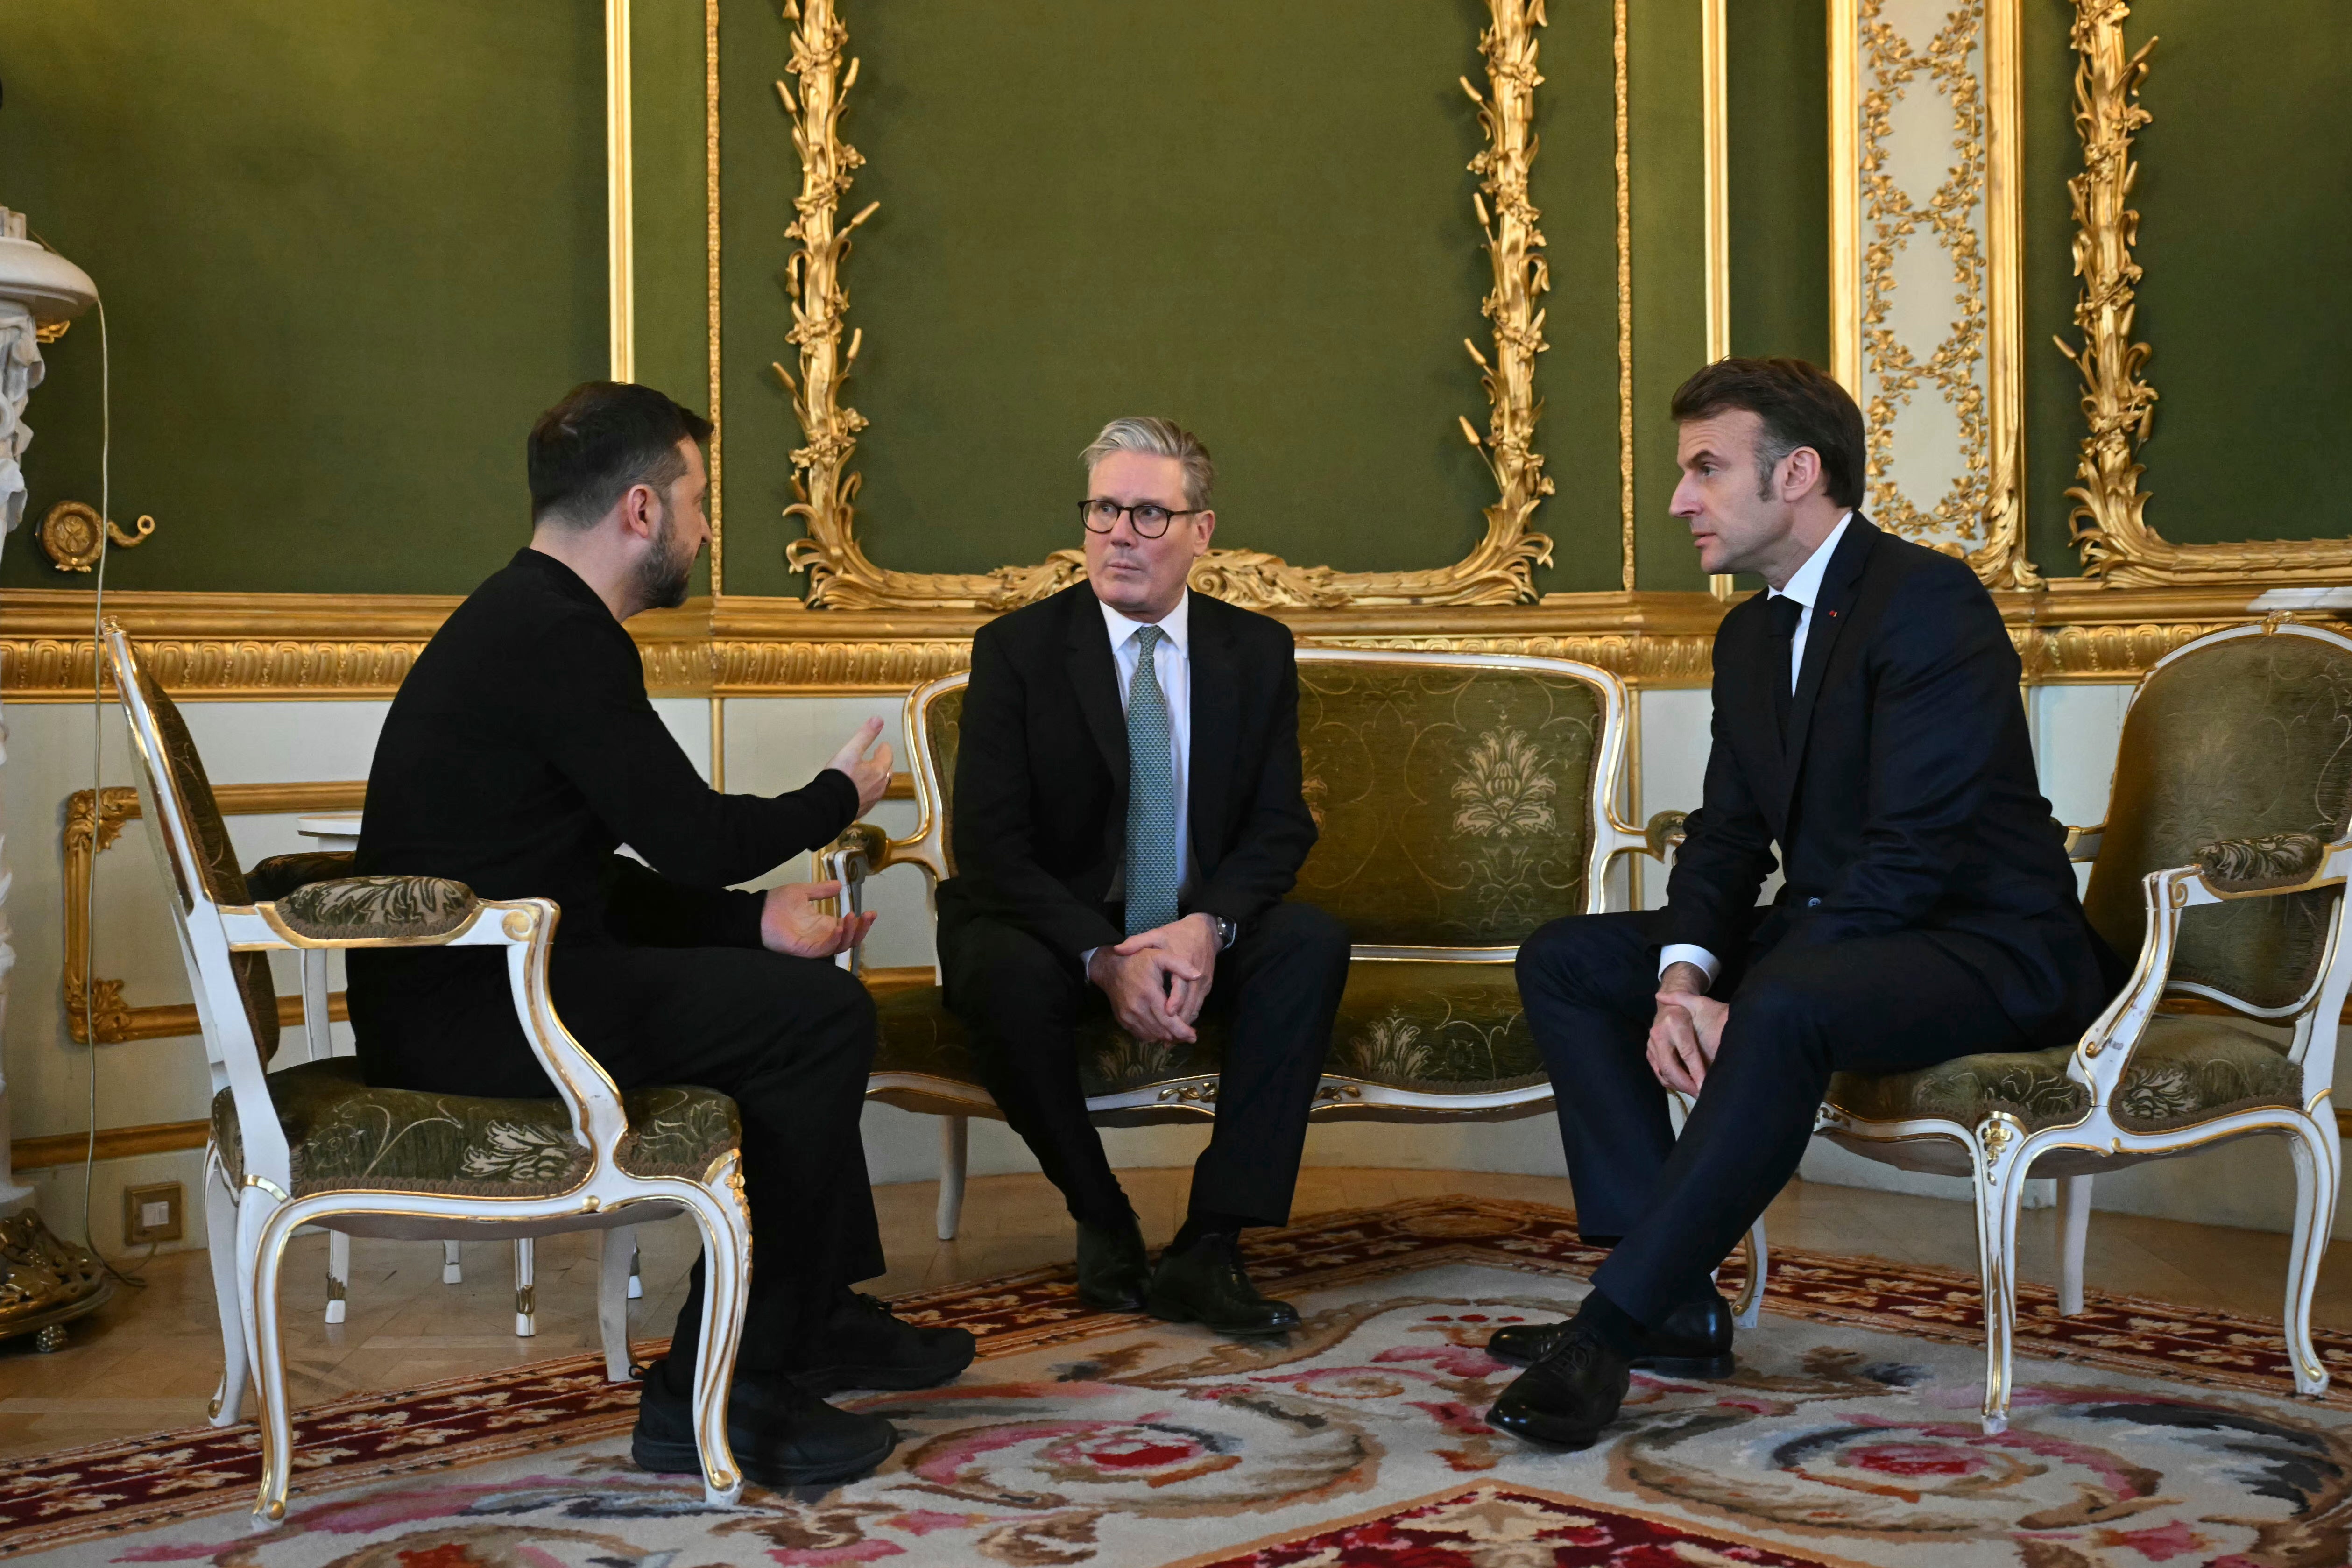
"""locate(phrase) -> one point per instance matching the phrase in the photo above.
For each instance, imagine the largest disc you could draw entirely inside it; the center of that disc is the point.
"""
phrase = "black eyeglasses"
(1101, 515)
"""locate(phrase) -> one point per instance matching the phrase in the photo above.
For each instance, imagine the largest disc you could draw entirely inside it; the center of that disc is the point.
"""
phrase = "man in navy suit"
(1866, 728)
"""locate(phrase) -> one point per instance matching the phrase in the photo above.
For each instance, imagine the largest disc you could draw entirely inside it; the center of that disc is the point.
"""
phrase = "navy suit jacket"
(1905, 798)
(1038, 819)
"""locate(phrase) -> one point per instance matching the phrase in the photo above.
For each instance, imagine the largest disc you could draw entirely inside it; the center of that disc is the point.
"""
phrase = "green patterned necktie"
(1151, 870)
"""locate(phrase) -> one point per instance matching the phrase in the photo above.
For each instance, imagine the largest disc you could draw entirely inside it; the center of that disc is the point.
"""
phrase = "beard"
(662, 575)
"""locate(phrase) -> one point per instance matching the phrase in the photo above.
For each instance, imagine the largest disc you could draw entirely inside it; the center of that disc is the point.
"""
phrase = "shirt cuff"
(1676, 952)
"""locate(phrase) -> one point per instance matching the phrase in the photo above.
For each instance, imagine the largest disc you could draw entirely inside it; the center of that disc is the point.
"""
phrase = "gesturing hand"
(1138, 985)
(790, 922)
(870, 774)
(1192, 939)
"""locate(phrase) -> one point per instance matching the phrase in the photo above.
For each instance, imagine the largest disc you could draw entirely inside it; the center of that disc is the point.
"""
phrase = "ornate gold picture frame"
(841, 575)
(2109, 520)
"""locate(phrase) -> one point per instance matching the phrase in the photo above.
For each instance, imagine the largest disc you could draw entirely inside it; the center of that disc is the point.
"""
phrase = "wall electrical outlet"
(152, 1214)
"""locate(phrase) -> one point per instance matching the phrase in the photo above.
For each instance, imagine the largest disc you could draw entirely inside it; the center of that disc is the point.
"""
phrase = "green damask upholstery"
(2185, 1070)
(943, 730)
(1453, 803)
(2239, 740)
(1431, 1027)
(217, 871)
(345, 1136)
(358, 908)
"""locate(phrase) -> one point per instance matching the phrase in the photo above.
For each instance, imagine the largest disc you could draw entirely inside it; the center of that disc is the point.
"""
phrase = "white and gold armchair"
(2222, 864)
(313, 1144)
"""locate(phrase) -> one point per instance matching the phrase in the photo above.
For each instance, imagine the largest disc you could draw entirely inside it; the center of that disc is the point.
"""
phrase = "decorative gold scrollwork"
(69, 535)
(841, 576)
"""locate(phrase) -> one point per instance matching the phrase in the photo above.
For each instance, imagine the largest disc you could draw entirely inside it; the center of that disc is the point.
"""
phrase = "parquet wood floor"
(149, 1359)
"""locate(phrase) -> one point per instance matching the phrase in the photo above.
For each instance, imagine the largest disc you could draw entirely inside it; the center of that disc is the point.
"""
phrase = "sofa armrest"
(2083, 843)
(1664, 831)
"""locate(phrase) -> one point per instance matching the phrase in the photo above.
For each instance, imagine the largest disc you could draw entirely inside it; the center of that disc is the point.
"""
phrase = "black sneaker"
(781, 1435)
(864, 1344)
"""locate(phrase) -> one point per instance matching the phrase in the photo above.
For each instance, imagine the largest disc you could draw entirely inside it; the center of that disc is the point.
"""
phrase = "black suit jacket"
(1038, 820)
(1905, 797)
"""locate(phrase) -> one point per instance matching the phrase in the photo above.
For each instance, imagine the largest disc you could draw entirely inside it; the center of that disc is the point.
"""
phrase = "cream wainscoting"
(290, 691)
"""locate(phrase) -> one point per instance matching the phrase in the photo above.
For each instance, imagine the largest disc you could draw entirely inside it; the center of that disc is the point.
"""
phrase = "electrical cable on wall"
(97, 780)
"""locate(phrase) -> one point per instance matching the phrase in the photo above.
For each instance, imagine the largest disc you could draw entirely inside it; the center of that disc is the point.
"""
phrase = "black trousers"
(790, 1040)
(1278, 986)
(1675, 1208)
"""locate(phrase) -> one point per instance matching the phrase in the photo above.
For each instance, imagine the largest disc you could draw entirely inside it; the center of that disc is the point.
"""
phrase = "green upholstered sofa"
(1463, 800)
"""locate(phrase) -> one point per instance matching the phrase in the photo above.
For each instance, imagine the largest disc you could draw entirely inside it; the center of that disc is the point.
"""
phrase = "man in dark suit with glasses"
(1126, 820)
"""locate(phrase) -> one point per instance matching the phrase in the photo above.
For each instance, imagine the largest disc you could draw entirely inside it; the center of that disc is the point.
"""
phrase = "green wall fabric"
(1780, 186)
(348, 247)
(2245, 203)
(351, 248)
(1255, 219)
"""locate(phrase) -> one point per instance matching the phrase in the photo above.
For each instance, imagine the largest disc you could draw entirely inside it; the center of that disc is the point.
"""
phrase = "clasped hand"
(1687, 1031)
(1157, 980)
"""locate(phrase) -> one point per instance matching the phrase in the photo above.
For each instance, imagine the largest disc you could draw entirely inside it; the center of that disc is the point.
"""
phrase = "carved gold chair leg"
(2319, 1174)
(1999, 1188)
(955, 1157)
(525, 1307)
(220, 1228)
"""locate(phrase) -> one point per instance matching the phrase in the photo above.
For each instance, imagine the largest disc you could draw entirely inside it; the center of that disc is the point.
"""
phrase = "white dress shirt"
(1804, 585)
(1171, 662)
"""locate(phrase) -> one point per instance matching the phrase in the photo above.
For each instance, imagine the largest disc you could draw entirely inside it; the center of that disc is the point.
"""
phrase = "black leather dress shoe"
(1206, 1284)
(1112, 1268)
(866, 1345)
(782, 1434)
(1569, 1396)
(1694, 1341)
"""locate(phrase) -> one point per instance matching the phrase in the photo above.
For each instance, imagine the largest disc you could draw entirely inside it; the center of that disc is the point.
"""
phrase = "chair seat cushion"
(344, 1135)
(1432, 1028)
(2187, 1070)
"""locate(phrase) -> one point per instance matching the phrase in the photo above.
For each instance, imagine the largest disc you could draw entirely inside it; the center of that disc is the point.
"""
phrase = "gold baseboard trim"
(113, 1143)
(323, 647)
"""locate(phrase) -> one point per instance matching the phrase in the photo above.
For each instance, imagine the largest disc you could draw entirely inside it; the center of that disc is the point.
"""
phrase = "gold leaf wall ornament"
(2109, 521)
(1500, 569)
(1933, 194)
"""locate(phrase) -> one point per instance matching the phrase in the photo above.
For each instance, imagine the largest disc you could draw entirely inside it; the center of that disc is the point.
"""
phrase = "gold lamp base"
(46, 1282)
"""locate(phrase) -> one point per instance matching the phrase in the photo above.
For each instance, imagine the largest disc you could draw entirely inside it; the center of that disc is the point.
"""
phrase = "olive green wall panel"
(1255, 219)
(348, 247)
(1669, 271)
(2052, 155)
(2245, 233)
(1779, 189)
(669, 180)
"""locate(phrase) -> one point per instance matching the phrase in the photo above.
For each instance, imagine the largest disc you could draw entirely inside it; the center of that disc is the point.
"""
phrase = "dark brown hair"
(605, 437)
(1800, 406)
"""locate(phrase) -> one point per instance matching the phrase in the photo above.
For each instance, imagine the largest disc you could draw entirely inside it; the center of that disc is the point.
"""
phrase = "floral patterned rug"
(2142, 1435)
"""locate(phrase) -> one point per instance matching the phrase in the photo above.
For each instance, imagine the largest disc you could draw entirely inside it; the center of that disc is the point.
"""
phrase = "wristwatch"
(1228, 931)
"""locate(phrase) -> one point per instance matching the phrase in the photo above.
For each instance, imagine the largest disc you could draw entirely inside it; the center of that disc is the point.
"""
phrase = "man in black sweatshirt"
(520, 754)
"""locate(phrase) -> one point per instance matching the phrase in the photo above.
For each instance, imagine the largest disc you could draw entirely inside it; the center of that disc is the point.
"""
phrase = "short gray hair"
(1155, 438)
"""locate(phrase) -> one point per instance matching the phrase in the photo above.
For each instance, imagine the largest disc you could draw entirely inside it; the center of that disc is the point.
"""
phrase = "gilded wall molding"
(2109, 521)
(93, 821)
(841, 575)
(297, 647)
(1927, 258)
